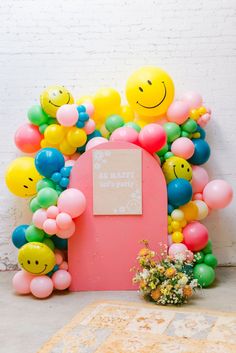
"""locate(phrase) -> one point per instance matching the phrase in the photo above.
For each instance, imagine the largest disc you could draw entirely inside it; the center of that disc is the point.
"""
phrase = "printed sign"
(117, 182)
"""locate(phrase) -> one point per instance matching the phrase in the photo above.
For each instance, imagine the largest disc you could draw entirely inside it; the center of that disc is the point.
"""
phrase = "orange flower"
(155, 294)
(142, 284)
(187, 291)
(170, 272)
(144, 252)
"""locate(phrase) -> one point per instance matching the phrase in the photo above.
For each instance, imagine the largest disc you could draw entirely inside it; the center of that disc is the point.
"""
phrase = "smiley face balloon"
(150, 91)
(54, 97)
(36, 258)
(176, 167)
(21, 177)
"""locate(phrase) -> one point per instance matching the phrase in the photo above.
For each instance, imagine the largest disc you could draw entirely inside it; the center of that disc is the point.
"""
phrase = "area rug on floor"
(124, 327)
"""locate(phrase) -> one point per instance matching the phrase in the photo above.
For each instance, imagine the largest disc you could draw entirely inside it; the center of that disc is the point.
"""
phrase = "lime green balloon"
(204, 274)
(113, 122)
(133, 125)
(49, 243)
(185, 134)
(47, 197)
(208, 248)
(45, 183)
(163, 151)
(199, 257)
(211, 260)
(172, 130)
(33, 234)
(42, 128)
(189, 126)
(37, 116)
(34, 205)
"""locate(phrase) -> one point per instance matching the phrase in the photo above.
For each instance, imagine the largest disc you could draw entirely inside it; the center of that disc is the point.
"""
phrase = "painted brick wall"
(88, 44)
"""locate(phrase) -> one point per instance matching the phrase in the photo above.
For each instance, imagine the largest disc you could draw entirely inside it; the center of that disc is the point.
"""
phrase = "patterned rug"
(124, 327)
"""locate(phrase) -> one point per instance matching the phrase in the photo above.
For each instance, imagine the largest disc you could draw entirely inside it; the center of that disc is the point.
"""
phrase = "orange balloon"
(190, 211)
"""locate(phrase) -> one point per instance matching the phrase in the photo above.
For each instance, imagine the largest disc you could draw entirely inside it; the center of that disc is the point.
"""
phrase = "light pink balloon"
(64, 266)
(52, 212)
(72, 201)
(67, 114)
(178, 112)
(125, 133)
(89, 108)
(217, 194)
(183, 147)
(189, 256)
(50, 226)
(89, 126)
(66, 233)
(39, 217)
(21, 282)
(152, 137)
(195, 236)
(41, 286)
(177, 248)
(59, 256)
(193, 99)
(199, 179)
(64, 220)
(61, 279)
(95, 142)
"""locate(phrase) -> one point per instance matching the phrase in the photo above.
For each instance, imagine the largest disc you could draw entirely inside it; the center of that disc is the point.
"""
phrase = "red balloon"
(152, 137)
(195, 236)
(28, 138)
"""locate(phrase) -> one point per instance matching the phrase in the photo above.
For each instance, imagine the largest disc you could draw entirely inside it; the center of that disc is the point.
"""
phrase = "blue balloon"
(48, 161)
(201, 152)
(18, 236)
(59, 242)
(179, 192)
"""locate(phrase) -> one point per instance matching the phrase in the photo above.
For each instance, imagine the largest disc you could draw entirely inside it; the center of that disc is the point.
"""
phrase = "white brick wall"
(88, 44)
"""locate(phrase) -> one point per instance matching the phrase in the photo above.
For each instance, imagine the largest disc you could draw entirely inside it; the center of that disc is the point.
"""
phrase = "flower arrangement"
(165, 279)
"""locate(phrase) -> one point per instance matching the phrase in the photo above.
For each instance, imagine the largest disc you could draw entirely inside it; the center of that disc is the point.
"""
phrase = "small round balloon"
(204, 274)
(18, 236)
(201, 152)
(152, 137)
(41, 287)
(21, 282)
(217, 194)
(195, 236)
(179, 192)
(48, 161)
(28, 138)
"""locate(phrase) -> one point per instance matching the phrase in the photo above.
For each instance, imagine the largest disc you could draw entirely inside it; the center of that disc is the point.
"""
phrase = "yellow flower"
(161, 269)
(144, 252)
(187, 291)
(170, 272)
(142, 284)
(155, 294)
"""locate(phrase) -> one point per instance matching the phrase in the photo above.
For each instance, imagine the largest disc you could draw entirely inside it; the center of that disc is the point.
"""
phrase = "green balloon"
(211, 260)
(52, 120)
(199, 257)
(49, 243)
(163, 151)
(185, 134)
(113, 122)
(42, 128)
(204, 274)
(37, 116)
(34, 205)
(34, 234)
(172, 130)
(168, 155)
(133, 125)
(45, 183)
(47, 197)
(189, 126)
(208, 248)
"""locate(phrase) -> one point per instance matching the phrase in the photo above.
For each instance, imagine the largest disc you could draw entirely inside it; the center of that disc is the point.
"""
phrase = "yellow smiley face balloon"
(36, 258)
(150, 91)
(53, 98)
(21, 177)
(176, 167)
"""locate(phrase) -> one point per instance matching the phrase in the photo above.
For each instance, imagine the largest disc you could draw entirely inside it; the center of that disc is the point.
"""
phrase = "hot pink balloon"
(61, 279)
(28, 138)
(95, 142)
(197, 196)
(64, 220)
(39, 217)
(152, 137)
(193, 99)
(72, 201)
(67, 114)
(125, 133)
(41, 286)
(21, 282)
(217, 194)
(52, 212)
(50, 226)
(195, 236)
(89, 126)
(183, 147)
(66, 233)
(199, 179)
(178, 112)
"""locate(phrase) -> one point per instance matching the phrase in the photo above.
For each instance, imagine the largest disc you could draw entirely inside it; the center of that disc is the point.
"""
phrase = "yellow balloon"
(36, 258)
(126, 113)
(22, 177)
(190, 211)
(54, 97)
(105, 133)
(150, 91)
(177, 237)
(141, 123)
(176, 167)
(76, 137)
(84, 99)
(66, 148)
(106, 102)
(54, 134)
(44, 143)
(175, 225)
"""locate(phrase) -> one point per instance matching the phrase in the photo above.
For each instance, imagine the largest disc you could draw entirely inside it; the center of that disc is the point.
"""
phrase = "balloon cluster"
(59, 131)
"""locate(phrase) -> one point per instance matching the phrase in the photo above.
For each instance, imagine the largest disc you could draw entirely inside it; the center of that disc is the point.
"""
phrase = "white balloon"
(202, 209)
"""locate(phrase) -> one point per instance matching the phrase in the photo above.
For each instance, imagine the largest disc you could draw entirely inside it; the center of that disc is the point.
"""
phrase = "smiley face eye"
(188, 170)
(25, 186)
(30, 179)
(60, 91)
(36, 262)
(149, 82)
(140, 88)
(28, 262)
(182, 166)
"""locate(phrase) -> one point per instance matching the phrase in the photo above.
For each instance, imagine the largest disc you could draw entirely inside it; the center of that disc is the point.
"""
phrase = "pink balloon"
(95, 142)
(64, 266)
(177, 248)
(21, 282)
(59, 256)
(52, 212)
(217, 194)
(50, 226)
(64, 220)
(189, 256)
(75, 156)
(195, 236)
(67, 114)
(152, 137)
(199, 179)
(183, 147)
(39, 217)
(178, 112)
(66, 233)
(70, 163)
(193, 99)
(197, 196)
(28, 138)
(61, 279)
(125, 133)
(72, 201)
(89, 126)
(89, 108)
(41, 286)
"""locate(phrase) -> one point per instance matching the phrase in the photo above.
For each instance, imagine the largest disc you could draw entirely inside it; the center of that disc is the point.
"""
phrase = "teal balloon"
(47, 197)
(202, 152)
(211, 260)
(204, 274)
(113, 122)
(37, 116)
(172, 130)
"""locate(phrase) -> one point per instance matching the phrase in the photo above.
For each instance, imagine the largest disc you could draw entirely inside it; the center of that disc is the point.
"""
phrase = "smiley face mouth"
(58, 106)
(35, 273)
(175, 172)
(154, 106)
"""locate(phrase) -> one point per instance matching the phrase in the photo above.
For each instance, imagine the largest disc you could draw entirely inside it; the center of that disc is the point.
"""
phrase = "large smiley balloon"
(150, 91)
(54, 97)
(175, 168)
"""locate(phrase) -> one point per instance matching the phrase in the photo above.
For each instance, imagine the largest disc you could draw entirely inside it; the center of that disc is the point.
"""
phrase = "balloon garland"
(59, 131)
